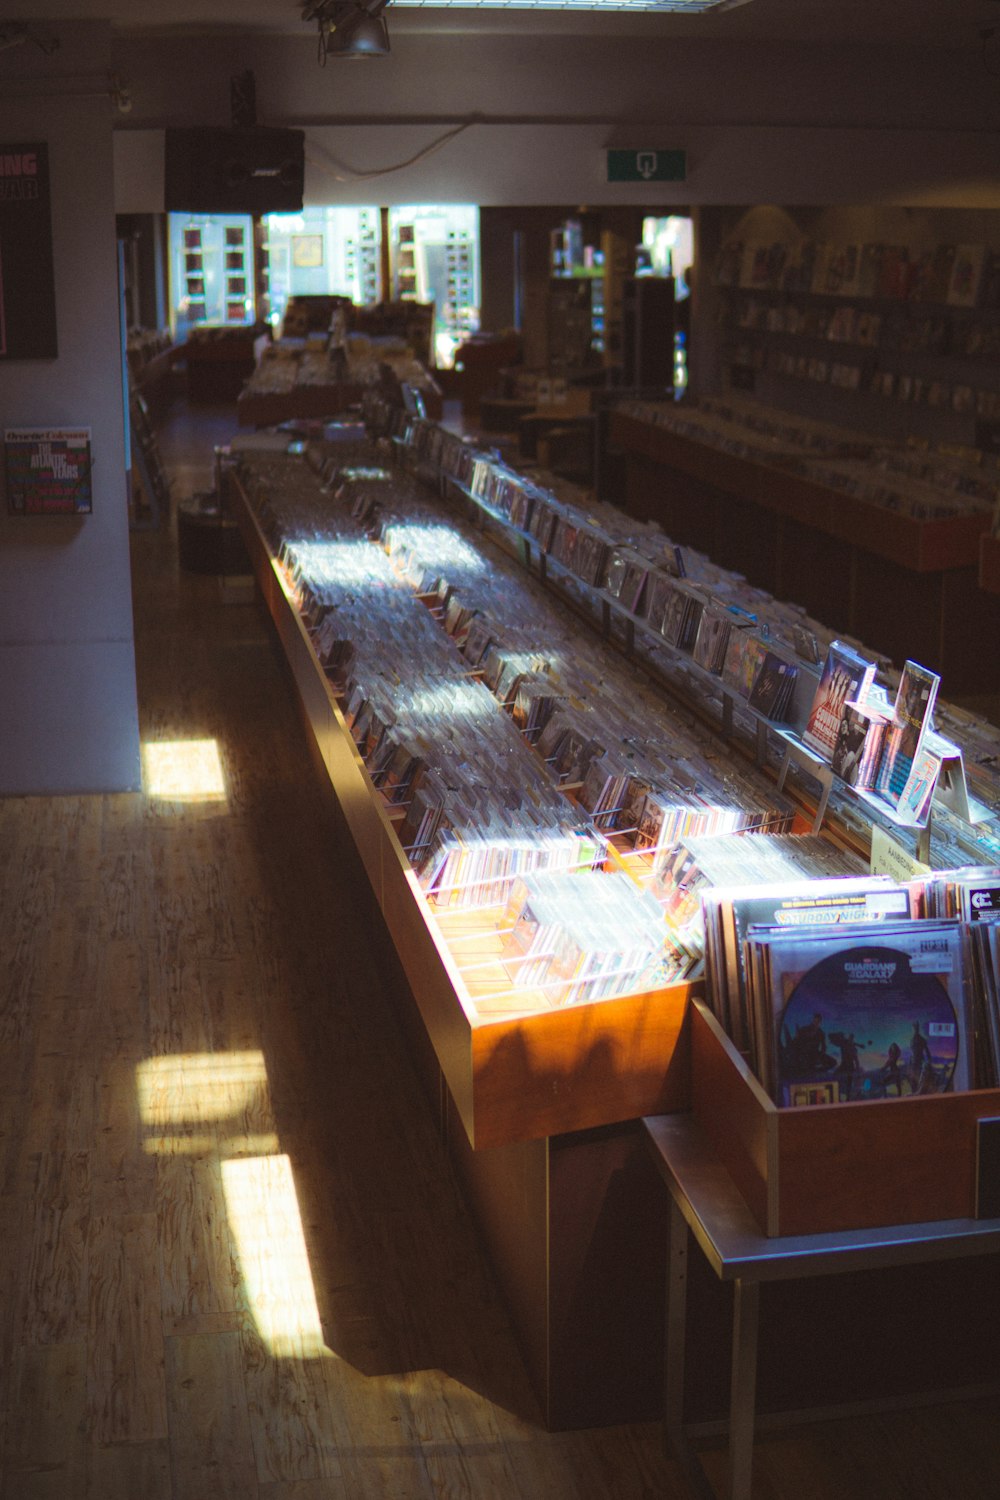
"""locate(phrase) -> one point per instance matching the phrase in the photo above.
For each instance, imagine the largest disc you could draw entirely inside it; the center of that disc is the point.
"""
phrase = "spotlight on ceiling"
(349, 28)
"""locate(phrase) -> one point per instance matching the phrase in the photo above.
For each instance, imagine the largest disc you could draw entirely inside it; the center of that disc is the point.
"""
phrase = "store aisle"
(234, 1262)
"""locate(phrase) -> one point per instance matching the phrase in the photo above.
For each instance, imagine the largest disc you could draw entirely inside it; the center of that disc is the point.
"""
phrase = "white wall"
(498, 165)
(787, 123)
(68, 717)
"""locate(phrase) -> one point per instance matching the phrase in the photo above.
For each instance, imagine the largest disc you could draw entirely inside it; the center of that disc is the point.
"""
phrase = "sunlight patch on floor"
(183, 770)
(267, 1228)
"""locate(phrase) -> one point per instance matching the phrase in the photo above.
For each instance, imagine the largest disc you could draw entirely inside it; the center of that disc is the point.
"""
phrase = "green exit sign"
(647, 166)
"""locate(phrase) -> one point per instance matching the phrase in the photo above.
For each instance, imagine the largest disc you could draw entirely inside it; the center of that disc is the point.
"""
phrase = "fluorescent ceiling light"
(677, 7)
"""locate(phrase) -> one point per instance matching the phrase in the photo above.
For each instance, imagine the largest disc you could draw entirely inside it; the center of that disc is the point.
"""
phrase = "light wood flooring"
(233, 1259)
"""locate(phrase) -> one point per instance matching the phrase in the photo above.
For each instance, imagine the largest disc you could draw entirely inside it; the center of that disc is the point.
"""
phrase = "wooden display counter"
(218, 367)
(908, 588)
(513, 1077)
(267, 409)
(540, 1110)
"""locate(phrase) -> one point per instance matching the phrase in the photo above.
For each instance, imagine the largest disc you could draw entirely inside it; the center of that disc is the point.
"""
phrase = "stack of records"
(709, 649)
(815, 887)
(682, 615)
(745, 650)
(846, 678)
(911, 720)
(857, 752)
(984, 939)
(535, 699)
(972, 895)
(590, 556)
(602, 794)
(467, 872)
(687, 878)
(864, 1011)
(774, 686)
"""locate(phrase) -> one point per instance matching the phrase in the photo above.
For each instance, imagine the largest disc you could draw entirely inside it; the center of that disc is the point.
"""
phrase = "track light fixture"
(349, 28)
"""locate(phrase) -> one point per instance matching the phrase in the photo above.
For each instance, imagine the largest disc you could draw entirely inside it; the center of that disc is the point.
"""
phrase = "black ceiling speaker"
(209, 170)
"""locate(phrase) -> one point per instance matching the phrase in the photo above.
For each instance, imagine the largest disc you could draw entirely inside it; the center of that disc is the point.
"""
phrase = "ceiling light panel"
(676, 7)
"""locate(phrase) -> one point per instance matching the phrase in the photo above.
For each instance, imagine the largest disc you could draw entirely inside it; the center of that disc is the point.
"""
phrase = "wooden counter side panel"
(259, 409)
(606, 1281)
(734, 1113)
(855, 1166)
(508, 1191)
(433, 988)
(581, 1066)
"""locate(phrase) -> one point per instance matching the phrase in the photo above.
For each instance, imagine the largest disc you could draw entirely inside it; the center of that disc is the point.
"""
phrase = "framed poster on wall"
(27, 283)
(48, 470)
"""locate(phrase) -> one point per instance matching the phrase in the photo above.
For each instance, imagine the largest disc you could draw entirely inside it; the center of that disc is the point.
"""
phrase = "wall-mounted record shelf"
(908, 587)
(931, 546)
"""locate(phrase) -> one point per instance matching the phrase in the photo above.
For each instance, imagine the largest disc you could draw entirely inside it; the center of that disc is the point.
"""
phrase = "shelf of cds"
(912, 332)
(827, 478)
(885, 756)
(783, 679)
(548, 1009)
(595, 791)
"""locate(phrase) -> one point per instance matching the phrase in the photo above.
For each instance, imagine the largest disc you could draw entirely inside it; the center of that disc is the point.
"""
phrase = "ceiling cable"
(345, 175)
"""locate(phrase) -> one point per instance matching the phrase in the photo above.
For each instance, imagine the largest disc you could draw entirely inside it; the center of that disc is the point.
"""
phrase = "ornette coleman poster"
(48, 470)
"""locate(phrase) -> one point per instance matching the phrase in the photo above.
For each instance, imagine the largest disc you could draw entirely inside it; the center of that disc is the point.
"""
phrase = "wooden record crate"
(839, 1166)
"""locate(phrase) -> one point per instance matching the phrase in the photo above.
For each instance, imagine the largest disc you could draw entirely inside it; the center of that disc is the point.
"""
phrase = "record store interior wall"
(68, 716)
(538, 106)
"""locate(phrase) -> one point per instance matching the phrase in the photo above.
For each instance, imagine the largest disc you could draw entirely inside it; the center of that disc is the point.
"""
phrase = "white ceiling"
(931, 23)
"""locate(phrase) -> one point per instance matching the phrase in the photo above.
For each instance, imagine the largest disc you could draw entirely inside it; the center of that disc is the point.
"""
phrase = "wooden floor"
(233, 1260)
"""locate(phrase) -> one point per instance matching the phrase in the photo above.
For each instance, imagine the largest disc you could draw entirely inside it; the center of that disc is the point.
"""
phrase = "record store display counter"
(904, 580)
(322, 374)
(539, 1109)
(539, 1098)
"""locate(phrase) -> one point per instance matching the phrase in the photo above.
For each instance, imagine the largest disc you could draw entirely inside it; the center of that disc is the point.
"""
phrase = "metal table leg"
(676, 1321)
(743, 1388)
(678, 1446)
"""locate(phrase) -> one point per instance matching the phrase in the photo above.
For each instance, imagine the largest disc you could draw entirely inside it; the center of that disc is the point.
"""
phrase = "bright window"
(323, 251)
(211, 269)
(435, 258)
